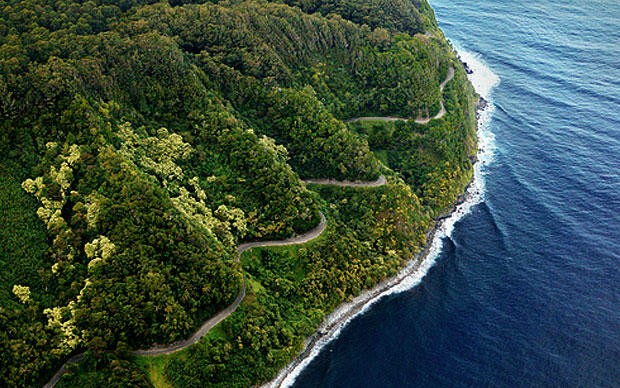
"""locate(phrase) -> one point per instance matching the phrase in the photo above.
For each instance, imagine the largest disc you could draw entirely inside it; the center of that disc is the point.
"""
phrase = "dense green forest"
(141, 141)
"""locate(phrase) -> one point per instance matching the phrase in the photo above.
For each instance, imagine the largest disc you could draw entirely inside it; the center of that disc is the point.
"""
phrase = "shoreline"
(334, 322)
(330, 328)
(349, 310)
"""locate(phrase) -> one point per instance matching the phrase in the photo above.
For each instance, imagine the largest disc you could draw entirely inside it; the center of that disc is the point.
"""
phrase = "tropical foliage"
(141, 141)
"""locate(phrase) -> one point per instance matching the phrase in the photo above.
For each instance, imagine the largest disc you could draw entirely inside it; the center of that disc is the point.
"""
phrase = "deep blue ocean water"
(526, 291)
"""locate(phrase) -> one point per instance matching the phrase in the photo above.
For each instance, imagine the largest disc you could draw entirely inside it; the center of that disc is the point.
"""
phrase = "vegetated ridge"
(142, 142)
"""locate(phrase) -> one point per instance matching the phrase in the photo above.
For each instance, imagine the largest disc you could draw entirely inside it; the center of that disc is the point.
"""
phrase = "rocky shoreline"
(335, 321)
(468, 70)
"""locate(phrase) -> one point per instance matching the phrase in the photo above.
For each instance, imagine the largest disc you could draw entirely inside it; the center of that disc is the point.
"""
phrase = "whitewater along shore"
(337, 320)
(408, 277)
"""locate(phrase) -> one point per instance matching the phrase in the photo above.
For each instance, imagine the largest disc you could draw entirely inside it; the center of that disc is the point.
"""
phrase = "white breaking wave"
(484, 80)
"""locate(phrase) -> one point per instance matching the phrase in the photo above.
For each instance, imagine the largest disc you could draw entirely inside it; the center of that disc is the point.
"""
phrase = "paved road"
(440, 114)
(219, 317)
(379, 182)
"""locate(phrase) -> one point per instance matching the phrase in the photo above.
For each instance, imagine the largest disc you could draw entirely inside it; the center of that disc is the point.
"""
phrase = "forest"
(142, 141)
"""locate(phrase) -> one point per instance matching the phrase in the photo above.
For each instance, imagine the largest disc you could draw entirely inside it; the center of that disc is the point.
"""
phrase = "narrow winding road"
(312, 234)
(440, 114)
(306, 237)
(219, 317)
(332, 182)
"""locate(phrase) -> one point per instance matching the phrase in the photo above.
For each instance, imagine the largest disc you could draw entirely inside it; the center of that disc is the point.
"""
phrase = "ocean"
(522, 287)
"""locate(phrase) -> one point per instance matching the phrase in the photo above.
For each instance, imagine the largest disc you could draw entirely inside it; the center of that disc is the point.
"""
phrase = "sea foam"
(484, 80)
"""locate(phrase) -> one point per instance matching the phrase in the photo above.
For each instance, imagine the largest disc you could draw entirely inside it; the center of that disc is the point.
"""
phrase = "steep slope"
(141, 142)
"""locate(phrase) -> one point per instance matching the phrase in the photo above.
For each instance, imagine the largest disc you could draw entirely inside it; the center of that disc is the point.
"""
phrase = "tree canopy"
(141, 141)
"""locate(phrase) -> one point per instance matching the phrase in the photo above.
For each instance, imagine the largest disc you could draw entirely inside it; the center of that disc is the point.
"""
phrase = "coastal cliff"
(145, 143)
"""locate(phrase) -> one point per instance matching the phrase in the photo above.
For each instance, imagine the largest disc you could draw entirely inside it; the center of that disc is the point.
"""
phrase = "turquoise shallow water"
(526, 291)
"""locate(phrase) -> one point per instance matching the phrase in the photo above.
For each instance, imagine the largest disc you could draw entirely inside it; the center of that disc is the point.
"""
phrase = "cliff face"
(142, 142)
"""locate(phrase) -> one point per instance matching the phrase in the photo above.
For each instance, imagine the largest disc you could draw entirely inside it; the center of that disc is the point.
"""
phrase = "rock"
(480, 106)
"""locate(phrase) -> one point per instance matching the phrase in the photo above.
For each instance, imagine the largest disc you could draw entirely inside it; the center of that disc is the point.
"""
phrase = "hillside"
(142, 142)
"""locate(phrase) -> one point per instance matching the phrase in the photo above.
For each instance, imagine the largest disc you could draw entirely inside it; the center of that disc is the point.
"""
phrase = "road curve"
(225, 313)
(332, 182)
(219, 317)
(306, 237)
(62, 370)
(440, 114)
